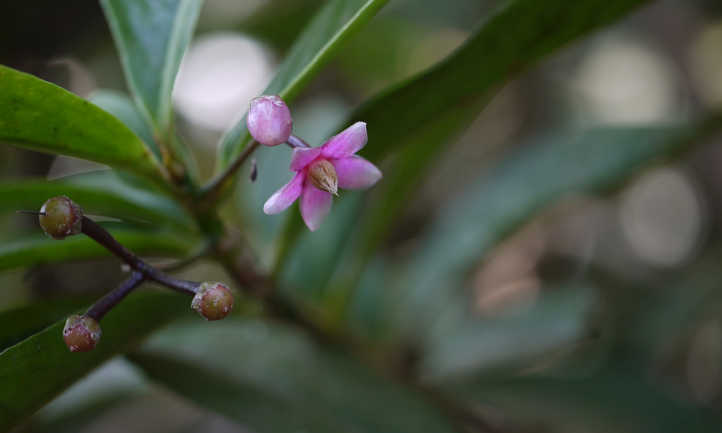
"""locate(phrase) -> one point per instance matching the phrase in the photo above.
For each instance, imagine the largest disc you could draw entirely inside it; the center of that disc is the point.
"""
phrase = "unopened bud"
(60, 217)
(323, 176)
(81, 333)
(269, 120)
(213, 301)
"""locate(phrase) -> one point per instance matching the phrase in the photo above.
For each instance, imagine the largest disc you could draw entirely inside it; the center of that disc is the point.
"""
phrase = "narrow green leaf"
(38, 115)
(323, 37)
(120, 106)
(616, 399)
(38, 368)
(279, 23)
(266, 369)
(528, 180)
(151, 37)
(472, 344)
(20, 323)
(41, 249)
(487, 60)
(98, 194)
(420, 116)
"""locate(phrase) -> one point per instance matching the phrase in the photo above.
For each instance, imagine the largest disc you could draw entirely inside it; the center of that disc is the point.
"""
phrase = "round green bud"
(81, 333)
(213, 301)
(60, 217)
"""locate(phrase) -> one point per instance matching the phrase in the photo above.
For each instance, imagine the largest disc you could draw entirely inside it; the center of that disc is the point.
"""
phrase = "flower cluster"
(319, 171)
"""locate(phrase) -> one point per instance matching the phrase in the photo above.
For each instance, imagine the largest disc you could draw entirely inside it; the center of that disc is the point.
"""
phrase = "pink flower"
(320, 171)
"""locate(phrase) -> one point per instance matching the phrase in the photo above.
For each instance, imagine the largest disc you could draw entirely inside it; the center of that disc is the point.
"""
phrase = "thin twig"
(186, 261)
(295, 141)
(94, 231)
(212, 192)
(111, 299)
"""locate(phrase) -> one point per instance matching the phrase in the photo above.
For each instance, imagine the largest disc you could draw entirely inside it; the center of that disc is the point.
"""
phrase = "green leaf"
(38, 368)
(466, 346)
(37, 115)
(616, 399)
(425, 113)
(266, 369)
(40, 249)
(19, 323)
(120, 106)
(535, 176)
(487, 60)
(100, 193)
(279, 23)
(151, 37)
(320, 41)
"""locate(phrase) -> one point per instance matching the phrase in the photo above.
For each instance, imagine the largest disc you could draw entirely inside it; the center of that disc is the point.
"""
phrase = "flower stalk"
(111, 299)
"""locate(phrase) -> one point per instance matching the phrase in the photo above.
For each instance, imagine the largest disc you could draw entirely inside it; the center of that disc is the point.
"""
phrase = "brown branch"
(213, 191)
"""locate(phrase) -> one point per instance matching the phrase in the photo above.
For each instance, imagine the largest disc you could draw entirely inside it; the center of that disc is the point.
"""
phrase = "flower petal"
(355, 172)
(346, 142)
(302, 156)
(315, 205)
(284, 197)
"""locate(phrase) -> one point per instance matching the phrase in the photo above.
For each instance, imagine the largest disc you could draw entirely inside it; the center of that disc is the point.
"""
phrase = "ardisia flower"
(320, 171)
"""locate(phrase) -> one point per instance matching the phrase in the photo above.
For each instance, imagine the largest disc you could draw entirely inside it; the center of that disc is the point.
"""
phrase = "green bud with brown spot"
(60, 217)
(213, 301)
(81, 333)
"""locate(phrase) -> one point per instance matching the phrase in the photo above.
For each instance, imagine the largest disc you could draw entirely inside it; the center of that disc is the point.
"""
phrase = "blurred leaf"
(37, 115)
(321, 39)
(98, 194)
(38, 368)
(120, 106)
(79, 418)
(420, 116)
(473, 73)
(533, 177)
(310, 265)
(151, 37)
(267, 369)
(617, 399)
(465, 346)
(117, 384)
(655, 318)
(278, 23)
(19, 323)
(40, 249)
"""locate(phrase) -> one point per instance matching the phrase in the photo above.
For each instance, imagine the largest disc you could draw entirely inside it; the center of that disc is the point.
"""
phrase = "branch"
(94, 231)
(111, 299)
(213, 191)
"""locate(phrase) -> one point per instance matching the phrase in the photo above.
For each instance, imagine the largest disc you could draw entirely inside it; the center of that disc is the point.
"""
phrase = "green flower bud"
(213, 301)
(60, 217)
(81, 333)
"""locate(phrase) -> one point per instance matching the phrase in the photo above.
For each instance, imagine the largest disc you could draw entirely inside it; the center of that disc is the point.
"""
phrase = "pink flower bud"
(81, 333)
(213, 301)
(269, 120)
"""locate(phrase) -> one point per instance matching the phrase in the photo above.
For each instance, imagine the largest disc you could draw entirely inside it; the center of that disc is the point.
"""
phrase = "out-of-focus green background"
(655, 244)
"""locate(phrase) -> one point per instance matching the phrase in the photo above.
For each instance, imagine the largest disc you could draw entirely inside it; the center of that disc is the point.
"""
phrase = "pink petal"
(302, 156)
(284, 197)
(355, 172)
(315, 205)
(347, 142)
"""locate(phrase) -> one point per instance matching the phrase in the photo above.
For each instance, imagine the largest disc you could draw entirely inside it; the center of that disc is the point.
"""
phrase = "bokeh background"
(655, 243)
